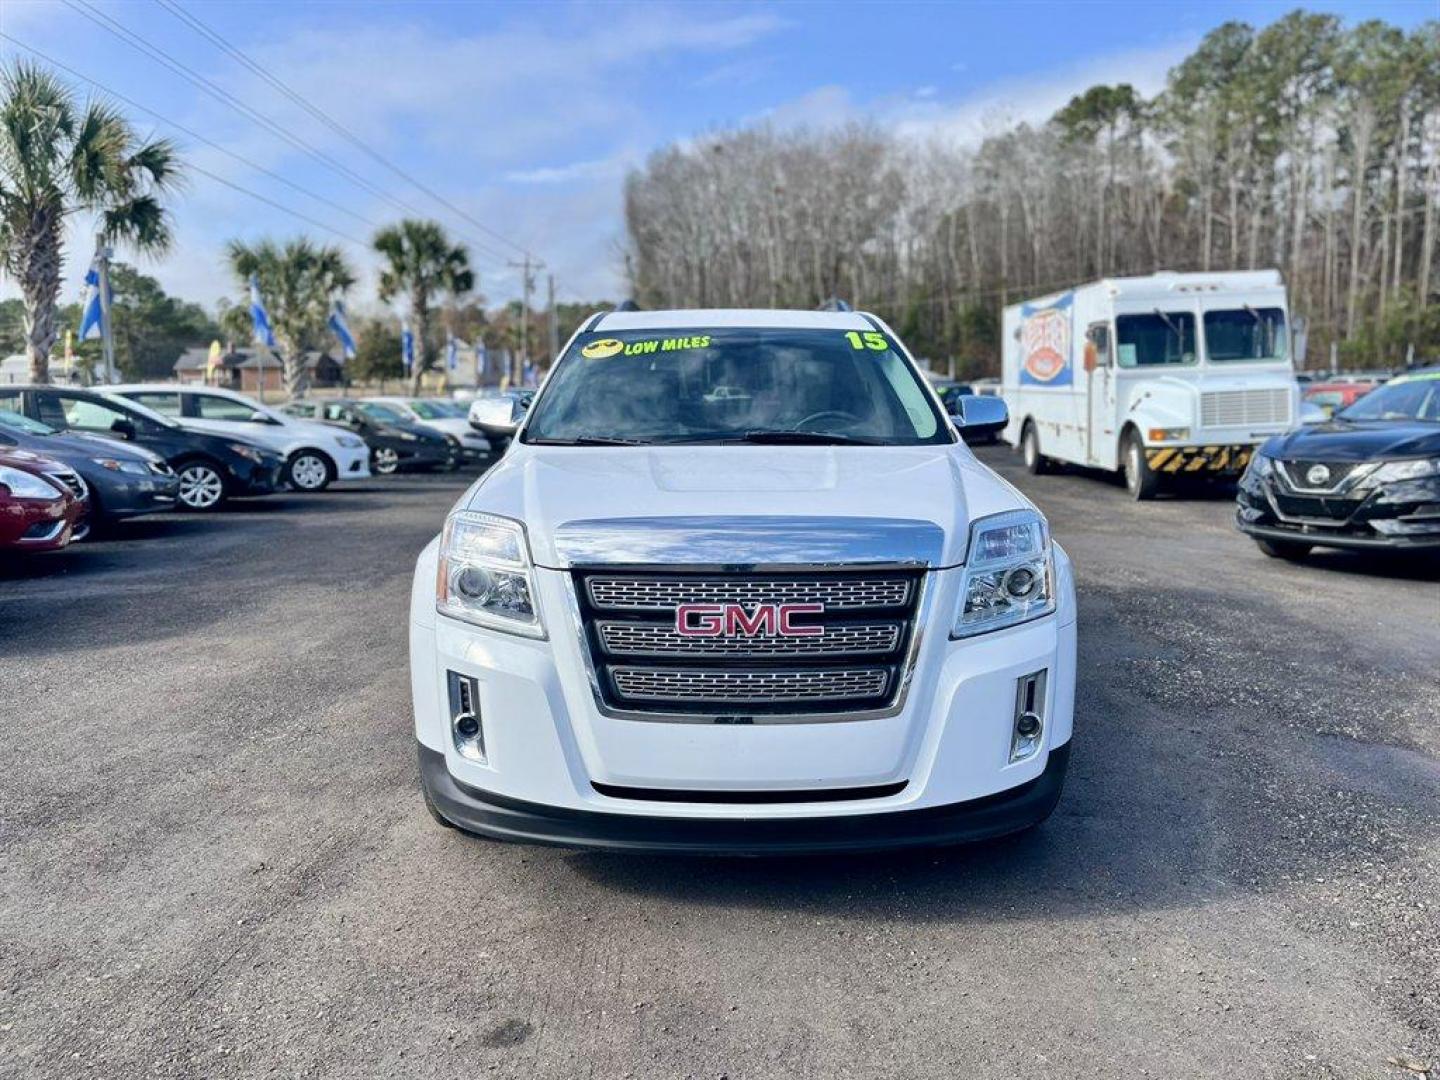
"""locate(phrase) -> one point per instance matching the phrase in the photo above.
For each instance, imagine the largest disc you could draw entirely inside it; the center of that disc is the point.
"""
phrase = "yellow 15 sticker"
(868, 340)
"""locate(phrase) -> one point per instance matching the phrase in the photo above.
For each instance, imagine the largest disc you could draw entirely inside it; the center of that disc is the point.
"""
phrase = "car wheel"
(386, 460)
(1035, 462)
(1140, 480)
(308, 471)
(201, 486)
(440, 819)
(1284, 549)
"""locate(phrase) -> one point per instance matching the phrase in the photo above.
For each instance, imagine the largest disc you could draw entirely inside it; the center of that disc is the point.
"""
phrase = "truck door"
(1099, 393)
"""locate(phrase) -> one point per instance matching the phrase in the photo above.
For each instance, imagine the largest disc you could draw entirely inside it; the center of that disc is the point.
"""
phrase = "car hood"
(743, 504)
(1358, 440)
(73, 444)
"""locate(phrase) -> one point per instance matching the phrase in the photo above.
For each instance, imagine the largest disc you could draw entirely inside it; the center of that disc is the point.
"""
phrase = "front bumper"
(1204, 460)
(352, 463)
(502, 818)
(120, 495)
(262, 479)
(1402, 516)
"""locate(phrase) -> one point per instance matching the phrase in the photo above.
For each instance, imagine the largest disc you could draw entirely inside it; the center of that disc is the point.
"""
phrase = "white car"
(798, 615)
(447, 417)
(315, 454)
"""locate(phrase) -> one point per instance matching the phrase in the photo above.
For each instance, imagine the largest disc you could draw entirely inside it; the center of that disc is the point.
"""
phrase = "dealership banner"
(1046, 331)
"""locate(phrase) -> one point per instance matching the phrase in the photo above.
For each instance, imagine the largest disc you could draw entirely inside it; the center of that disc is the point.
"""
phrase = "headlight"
(485, 574)
(137, 468)
(350, 442)
(249, 453)
(1168, 434)
(1418, 469)
(1009, 573)
(24, 485)
(407, 436)
(1260, 466)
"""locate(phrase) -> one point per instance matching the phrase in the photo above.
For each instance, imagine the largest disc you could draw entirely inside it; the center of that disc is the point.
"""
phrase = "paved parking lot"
(214, 860)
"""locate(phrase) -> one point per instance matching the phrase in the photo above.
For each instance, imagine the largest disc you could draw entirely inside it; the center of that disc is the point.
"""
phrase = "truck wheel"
(1140, 480)
(1284, 549)
(1035, 462)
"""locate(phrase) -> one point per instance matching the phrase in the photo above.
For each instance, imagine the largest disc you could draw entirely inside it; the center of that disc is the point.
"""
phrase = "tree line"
(1306, 146)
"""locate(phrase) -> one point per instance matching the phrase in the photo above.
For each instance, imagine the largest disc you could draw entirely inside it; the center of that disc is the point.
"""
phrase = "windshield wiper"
(589, 440)
(783, 436)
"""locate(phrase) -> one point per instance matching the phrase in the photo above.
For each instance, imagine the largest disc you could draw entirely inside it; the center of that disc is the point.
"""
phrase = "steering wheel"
(826, 414)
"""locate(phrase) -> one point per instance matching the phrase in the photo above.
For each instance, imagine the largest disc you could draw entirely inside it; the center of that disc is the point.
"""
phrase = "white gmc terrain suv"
(738, 586)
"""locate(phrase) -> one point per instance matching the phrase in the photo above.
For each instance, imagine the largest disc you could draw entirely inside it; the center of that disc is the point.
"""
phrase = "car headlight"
(1009, 573)
(125, 465)
(249, 453)
(406, 436)
(350, 442)
(1260, 466)
(485, 576)
(24, 485)
(1418, 469)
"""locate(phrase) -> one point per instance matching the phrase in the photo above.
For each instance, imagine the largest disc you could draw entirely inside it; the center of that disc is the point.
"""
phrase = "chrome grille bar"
(665, 594)
(749, 687)
(652, 639)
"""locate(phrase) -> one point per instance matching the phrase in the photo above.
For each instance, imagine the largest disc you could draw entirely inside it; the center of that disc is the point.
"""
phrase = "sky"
(524, 118)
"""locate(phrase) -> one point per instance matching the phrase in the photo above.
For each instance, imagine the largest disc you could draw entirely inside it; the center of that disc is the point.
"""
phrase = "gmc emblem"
(733, 620)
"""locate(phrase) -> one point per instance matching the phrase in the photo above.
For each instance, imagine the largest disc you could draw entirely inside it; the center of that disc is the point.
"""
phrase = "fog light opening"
(1027, 733)
(466, 728)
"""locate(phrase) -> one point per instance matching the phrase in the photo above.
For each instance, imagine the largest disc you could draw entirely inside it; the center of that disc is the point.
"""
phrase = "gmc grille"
(643, 665)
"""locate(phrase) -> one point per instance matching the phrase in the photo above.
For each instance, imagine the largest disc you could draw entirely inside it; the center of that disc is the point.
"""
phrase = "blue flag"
(341, 329)
(528, 374)
(407, 347)
(452, 353)
(92, 314)
(259, 316)
(480, 357)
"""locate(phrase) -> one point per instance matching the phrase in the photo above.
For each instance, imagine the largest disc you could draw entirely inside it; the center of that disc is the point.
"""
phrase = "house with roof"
(254, 371)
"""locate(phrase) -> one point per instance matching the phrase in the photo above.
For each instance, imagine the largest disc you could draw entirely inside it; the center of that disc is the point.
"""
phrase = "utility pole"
(107, 339)
(554, 319)
(527, 283)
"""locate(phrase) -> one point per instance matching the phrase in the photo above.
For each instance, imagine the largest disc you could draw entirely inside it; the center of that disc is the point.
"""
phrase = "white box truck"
(1158, 376)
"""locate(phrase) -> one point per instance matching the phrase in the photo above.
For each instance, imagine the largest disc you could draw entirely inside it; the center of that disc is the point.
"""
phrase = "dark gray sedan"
(124, 480)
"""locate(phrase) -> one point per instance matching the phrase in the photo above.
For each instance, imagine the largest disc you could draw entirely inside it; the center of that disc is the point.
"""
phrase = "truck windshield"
(743, 385)
(1161, 337)
(1253, 334)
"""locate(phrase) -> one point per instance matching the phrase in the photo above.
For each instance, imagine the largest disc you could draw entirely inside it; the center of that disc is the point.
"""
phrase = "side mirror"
(258, 417)
(977, 415)
(124, 428)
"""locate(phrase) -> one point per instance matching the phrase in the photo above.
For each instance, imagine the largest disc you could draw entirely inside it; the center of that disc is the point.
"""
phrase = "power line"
(195, 135)
(278, 206)
(160, 56)
(333, 124)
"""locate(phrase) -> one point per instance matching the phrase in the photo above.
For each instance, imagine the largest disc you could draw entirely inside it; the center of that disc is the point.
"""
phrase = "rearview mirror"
(977, 415)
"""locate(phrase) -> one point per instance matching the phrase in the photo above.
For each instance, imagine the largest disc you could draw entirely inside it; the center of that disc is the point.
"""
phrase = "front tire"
(1292, 550)
(1036, 463)
(308, 471)
(1140, 480)
(202, 487)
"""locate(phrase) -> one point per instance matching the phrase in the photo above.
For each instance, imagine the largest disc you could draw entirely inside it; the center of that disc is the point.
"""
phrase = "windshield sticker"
(1045, 343)
(606, 347)
(868, 340)
(599, 350)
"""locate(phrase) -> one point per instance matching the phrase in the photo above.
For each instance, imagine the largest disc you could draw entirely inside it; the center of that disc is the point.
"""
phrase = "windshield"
(16, 422)
(1413, 399)
(1162, 337)
(382, 412)
(432, 410)
(686, 386)
(1253, 334)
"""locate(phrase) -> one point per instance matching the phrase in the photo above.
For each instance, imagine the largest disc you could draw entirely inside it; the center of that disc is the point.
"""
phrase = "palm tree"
(298, 282)
(58, 159)
(422, 264)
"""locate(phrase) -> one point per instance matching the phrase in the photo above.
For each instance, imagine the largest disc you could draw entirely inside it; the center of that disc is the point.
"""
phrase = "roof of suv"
(713, 318)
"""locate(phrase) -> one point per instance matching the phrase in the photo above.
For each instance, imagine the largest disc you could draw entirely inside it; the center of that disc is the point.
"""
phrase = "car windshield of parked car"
(1155, 339)
(384, 413)
(23, 424)
(1246, 334)
(1413, 399)
(432, 410)
(679, 386)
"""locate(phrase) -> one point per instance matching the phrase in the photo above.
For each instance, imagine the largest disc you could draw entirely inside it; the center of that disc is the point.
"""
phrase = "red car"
(1334, 396)
(43, 503)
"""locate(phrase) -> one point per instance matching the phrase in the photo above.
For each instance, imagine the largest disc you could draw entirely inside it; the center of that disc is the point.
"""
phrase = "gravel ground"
(214, 861)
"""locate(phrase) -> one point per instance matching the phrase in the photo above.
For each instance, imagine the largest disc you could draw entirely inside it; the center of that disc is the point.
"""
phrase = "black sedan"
(210, 467)
(124, 480)
(395, 442)
(1366, 479)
